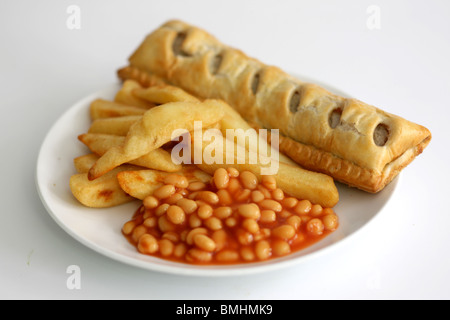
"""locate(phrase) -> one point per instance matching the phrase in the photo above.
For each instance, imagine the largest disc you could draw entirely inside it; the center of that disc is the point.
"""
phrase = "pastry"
(354, 142)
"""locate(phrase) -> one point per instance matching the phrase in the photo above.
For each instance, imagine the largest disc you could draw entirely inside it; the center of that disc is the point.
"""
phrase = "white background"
(402, 67)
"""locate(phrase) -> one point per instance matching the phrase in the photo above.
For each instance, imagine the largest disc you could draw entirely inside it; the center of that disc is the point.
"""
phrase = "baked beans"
(166, 247)
(236, 218)
(176, 215)
(257, 196)
(164, 191)
(221, 178)
(224, 197)
(303, 207)
(263, 250)
(147, 244)
(269, 182)
(223, 212)
(177, 180)
(250, 211)
(249, 180)
(271, 205)
(189, 206)
(150, 202)
(281, 248)
(205, 211)
(196, 186)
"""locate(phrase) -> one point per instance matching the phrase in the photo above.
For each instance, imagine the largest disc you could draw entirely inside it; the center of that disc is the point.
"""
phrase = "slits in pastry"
(355, 143)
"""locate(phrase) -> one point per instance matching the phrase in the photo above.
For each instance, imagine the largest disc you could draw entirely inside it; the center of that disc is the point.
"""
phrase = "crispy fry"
(101, 108)
(126, 96)
(157, 159)
(155, 129)
(118, 125)
(143, 183)
(164, 94)
(83, 163)
(140, 184)
(104, 192)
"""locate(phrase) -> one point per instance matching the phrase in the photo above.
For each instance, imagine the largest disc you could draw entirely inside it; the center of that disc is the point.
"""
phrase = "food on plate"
(104, 192)
(158, 159)
(126, 96)
(101, 108)
(232, 218)
(144, 146)
(116, 125)
(155, 129)
(353, 142)
(298, 182)
(101, 193)
(164, 94)
(218, 201)
(233, 120)
(142, 183)
(83, 163)
(144, 79)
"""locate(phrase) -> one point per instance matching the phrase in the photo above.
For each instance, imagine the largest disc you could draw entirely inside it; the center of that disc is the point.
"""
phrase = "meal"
(230, 160)
(351, 141)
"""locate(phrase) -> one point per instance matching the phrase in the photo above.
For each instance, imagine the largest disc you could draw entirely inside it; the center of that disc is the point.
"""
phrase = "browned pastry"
(351, 141)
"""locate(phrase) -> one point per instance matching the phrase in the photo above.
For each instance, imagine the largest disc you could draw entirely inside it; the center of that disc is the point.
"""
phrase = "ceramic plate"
(100, 229)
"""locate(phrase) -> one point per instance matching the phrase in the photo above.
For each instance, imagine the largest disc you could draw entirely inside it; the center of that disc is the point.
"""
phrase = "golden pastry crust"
(345, 171)
(354, 142)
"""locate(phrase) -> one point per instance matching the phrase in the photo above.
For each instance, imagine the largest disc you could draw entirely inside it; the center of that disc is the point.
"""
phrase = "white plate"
(100, 229)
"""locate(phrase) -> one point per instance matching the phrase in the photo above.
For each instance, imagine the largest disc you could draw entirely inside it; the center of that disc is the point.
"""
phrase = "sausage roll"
(354, 142)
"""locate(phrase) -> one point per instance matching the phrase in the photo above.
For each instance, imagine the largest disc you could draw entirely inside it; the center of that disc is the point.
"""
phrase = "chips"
(116, 125)
(158, 159)
(101, 108)
(110, 127)
(83, 163)
(131, 142)
(127, 96)
(104, 192)
(155, 129)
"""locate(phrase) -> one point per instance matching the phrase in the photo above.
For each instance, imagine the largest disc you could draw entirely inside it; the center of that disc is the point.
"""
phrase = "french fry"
(143, 183)
(127, 162)
(83, 163)
(117, 126)
(140, 184)
(126, 96)
(101, 108)
(156, 128)
(104, 192)
(164, 94)
(158, 159)
(293, 180)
